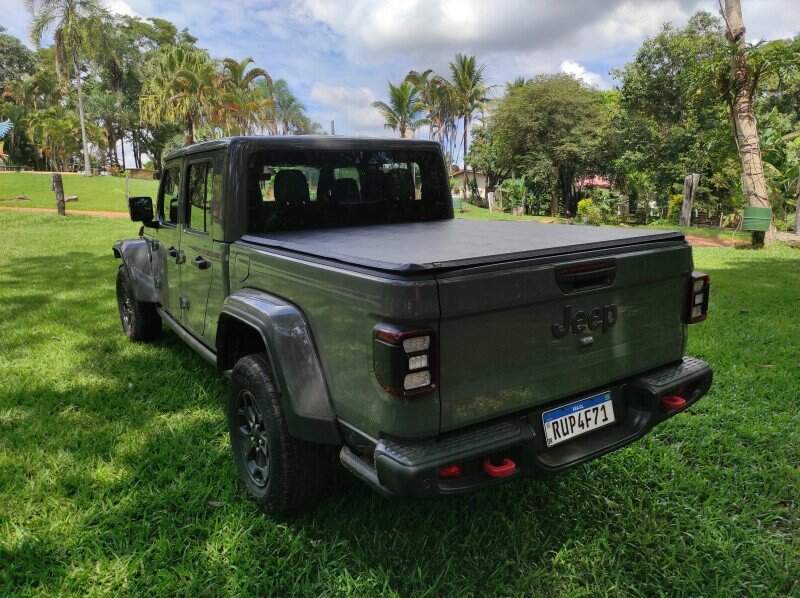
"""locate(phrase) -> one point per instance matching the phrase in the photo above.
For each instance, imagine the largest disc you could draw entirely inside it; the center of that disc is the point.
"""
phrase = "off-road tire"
(140, 321)
(298, 472)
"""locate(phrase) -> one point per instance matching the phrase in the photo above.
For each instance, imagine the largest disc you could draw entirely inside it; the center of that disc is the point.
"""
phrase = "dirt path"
(94, 213)
(697, 241)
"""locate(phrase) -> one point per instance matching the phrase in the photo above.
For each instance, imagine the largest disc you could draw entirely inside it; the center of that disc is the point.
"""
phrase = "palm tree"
(243, 105)
(469, 95)
(74, 26)
(289, 111)
(181, 86)
(437, 98)
(404, 110)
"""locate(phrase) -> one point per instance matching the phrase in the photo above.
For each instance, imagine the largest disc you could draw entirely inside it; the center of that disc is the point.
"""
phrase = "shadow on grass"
(124, 463)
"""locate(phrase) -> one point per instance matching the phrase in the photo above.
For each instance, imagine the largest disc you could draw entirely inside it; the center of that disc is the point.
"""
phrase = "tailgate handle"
(579, 277)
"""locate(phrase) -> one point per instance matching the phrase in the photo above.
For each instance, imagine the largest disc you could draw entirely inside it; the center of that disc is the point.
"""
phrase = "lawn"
(115, 476)
(108, 193)
(473, 212)
(94, 193)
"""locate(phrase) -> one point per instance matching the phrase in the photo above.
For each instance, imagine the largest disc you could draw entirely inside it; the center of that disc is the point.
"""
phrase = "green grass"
(94, 193)
(115, 476)
(473, 212)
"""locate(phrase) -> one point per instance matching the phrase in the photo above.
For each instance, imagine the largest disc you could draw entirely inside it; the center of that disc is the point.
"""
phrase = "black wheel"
(283, 474)
(140, 321)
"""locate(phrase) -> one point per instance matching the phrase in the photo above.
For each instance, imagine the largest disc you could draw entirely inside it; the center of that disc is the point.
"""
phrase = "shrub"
(514, 193)
(589, 213)
(674, 208)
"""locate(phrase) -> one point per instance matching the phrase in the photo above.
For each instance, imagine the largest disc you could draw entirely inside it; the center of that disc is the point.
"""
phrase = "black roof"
(300, 142)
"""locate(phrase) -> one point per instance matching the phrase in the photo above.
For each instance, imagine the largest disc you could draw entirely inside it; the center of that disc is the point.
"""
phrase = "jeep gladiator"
(359, 322)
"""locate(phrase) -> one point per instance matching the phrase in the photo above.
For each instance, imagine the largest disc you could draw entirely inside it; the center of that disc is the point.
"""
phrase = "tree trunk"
(797, 210)
(690, 184)
(188, 137)
(137, 148)
(554, 203)
(111, 152)
(58, 187)
(466, 126)
(754, 184)
(122, 145)
(87, 163)
(116, 155)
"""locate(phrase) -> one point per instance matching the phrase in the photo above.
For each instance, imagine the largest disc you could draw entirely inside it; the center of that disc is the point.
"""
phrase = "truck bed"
(441, 245)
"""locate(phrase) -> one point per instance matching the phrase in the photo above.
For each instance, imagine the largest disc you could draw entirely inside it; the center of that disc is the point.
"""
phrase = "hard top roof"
(306, 142)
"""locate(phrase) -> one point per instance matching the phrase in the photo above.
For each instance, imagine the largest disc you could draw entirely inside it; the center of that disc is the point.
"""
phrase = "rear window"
(296, 190)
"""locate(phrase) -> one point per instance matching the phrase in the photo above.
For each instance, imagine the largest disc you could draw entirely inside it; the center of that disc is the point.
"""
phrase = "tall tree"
(403, 113)
(74, 25)
(743, 86)
(437, 98)
(243, 106)
(180, 87)
(15, 59)
(469, 95)
(551, 130)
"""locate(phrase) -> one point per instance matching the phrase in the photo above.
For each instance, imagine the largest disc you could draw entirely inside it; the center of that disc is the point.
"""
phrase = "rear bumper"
(402, 468)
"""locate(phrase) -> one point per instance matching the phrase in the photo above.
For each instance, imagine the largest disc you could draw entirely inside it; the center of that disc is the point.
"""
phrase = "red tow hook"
(505, 469)
(673, 403)
(450, 471)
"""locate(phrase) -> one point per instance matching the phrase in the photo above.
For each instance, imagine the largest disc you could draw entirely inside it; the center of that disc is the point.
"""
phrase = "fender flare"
(293, 357)
(136, 255)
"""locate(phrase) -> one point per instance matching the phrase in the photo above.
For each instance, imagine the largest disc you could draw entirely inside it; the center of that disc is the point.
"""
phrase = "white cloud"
(351, 107)
(121, 8)
(577, 70)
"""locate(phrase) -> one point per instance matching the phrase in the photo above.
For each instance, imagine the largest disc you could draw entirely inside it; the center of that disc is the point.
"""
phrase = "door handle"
(201, 263)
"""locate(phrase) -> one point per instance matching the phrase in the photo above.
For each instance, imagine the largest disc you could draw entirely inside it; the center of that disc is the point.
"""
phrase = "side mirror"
(141, 210)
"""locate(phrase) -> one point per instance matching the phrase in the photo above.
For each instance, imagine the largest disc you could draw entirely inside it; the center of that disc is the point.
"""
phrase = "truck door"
(166, 259)
(202, 256)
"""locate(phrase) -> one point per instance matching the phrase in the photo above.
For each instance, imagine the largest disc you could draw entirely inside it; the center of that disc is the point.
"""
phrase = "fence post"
(58, 187)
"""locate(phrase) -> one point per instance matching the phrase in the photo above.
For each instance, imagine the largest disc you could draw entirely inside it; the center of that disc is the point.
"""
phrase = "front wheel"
(283, 474)
(140, 320)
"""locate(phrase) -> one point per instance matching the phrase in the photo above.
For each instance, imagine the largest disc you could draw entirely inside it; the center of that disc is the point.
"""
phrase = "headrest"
(346, 191)
(291, 188)
(402, 186)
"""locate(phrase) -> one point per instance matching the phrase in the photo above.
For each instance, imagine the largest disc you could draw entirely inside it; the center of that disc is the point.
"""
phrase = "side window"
(201, 190)
(168, 195)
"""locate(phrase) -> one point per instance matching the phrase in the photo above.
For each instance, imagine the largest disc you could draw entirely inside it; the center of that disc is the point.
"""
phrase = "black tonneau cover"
(444, 244)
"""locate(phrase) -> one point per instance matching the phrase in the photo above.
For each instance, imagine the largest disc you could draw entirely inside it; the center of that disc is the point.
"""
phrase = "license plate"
(578, 418)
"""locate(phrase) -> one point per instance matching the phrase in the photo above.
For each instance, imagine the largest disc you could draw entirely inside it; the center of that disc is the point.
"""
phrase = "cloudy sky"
(338, 54)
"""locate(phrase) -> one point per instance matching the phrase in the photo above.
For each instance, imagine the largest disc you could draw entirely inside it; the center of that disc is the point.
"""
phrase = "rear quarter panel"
(342, 307)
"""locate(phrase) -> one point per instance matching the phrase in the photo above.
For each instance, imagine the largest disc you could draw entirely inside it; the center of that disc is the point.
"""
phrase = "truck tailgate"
(517, 335)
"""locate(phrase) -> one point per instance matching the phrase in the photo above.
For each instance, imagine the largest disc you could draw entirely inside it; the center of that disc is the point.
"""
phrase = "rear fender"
(136, 254)
(293, 356)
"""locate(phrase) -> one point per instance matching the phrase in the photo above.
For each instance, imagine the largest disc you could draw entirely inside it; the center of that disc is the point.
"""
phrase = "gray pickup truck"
(359, 322)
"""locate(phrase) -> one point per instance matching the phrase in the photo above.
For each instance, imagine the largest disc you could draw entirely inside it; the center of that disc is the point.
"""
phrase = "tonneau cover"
(424, 246)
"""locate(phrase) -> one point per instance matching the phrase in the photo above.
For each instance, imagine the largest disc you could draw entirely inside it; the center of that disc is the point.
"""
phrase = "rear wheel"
(283, 474)
(140, 320)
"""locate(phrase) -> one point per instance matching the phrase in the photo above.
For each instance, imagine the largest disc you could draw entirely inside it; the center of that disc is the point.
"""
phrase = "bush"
(589, 213)
(608, 202)
(674, 208)
(514, 193)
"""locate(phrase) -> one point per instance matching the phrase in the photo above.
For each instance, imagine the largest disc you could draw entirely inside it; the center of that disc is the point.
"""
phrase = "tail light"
(403, 360)
(699, 290)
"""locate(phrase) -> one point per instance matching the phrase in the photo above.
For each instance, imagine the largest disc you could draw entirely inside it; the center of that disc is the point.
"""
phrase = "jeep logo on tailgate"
(604, 317)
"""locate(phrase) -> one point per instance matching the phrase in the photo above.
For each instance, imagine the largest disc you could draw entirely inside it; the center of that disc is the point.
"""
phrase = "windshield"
(296, 190)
